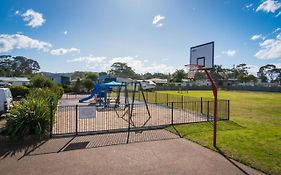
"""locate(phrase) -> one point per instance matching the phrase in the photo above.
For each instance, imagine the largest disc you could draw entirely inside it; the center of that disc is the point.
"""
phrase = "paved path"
(169, 155)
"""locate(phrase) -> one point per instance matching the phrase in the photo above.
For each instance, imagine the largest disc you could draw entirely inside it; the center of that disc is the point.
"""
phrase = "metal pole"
(201, 105)
(182, 102)
(76, 120)
(129, 124)
(172, 118)
(208, 104)
(51, 119)
(167, 99)
(215, 93)
(228, 109)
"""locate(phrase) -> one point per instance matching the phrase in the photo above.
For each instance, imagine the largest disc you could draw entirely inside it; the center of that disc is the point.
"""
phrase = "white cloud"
(276, 30)
(89, 59)
(229, 53)
(270, 48)
(138, 65)
(269, 6)
(257, 36)
(63, 51)
(17, 12)
(33, 19)
(19, 41)
(158, 20)
(65, 32)
(253, 69)
(248, 6)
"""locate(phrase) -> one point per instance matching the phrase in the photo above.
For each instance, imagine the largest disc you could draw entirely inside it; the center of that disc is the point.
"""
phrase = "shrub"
(19, 90)
(30, 117)
(40, 81)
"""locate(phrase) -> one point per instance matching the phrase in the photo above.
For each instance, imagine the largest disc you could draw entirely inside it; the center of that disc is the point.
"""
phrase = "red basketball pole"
(215, 94)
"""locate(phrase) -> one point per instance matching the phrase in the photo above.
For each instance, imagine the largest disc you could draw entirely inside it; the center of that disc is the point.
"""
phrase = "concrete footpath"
(71, 156)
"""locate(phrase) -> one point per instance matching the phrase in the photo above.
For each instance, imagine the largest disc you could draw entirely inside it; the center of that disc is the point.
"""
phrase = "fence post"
(182, 101)
(201, 105)
(76, 119)
(208, 104)
(51, 118)
(129, 123)
(172, 117)
(155, 97)
(167, 99)
(228, 109)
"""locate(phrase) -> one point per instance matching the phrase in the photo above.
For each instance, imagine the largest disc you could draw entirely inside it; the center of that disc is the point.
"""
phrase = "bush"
(30, 117)
(19, 90)
(40, 81)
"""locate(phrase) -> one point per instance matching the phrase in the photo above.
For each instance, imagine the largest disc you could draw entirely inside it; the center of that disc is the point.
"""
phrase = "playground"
(71, 120)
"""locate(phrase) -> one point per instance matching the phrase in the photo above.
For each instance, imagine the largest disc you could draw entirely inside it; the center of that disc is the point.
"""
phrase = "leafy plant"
(30, 117)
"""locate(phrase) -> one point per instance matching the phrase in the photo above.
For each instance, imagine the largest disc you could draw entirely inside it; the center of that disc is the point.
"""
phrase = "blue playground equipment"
(101, 90)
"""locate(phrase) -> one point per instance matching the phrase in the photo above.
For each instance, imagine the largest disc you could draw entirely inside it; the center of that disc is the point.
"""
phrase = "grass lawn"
(253, 134)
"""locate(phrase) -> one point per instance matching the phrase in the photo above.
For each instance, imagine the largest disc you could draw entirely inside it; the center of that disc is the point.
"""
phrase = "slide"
(94, 92)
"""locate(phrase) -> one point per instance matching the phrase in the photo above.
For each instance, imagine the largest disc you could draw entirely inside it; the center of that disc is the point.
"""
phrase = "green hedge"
(19, 90)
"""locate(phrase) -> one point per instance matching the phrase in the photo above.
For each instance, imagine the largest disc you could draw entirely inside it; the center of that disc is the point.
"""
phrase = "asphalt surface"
(164, 153)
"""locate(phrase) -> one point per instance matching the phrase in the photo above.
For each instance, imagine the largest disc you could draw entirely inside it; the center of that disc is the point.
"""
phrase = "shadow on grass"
(231, 161)
(193, 128)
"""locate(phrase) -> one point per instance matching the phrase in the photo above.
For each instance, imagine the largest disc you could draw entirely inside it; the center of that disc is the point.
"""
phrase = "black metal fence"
(85, 119)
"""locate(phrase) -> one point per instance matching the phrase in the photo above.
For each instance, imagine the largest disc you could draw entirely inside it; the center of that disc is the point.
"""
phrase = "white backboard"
(203, 55)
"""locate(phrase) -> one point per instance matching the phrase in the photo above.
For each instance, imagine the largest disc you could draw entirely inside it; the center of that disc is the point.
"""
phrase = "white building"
(14, 81)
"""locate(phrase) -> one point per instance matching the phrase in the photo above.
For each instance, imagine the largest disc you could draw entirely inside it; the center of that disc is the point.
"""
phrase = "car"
(6, 100)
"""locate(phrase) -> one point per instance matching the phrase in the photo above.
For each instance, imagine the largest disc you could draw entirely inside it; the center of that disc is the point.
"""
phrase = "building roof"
(14, 79)
(158, 80)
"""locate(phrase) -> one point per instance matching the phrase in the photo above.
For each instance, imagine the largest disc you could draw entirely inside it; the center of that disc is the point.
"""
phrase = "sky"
(149, 35)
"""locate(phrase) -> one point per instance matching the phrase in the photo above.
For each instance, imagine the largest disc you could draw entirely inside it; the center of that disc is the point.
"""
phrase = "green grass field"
(253, 134)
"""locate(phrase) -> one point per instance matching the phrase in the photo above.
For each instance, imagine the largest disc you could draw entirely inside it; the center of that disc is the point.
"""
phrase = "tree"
(77, 86)
(240, 71)
(268, 72)
(92, 76)
(199, 75)
(178, 75)
(87, 84)
(40, 81)
(119, 69)
(17, 66)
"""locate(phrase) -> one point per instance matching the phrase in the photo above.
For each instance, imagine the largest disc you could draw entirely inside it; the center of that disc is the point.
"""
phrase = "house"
(14, 81)
(60, 79)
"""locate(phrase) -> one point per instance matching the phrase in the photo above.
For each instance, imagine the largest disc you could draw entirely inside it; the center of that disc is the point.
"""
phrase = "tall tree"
(268, 73)
(17, 66)
(178, 75)
(92, 76)
(119, 69)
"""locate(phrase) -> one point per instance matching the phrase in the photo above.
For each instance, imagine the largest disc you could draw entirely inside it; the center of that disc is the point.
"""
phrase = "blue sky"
(154, 36)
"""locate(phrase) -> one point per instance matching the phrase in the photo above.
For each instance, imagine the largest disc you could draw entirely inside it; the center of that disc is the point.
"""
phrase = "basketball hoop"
(202, 58)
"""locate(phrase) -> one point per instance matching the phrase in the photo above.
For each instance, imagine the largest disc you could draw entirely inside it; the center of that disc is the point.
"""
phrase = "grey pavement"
(153, 152)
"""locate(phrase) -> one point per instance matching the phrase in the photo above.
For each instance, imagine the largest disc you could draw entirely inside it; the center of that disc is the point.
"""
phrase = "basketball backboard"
(203, 55)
